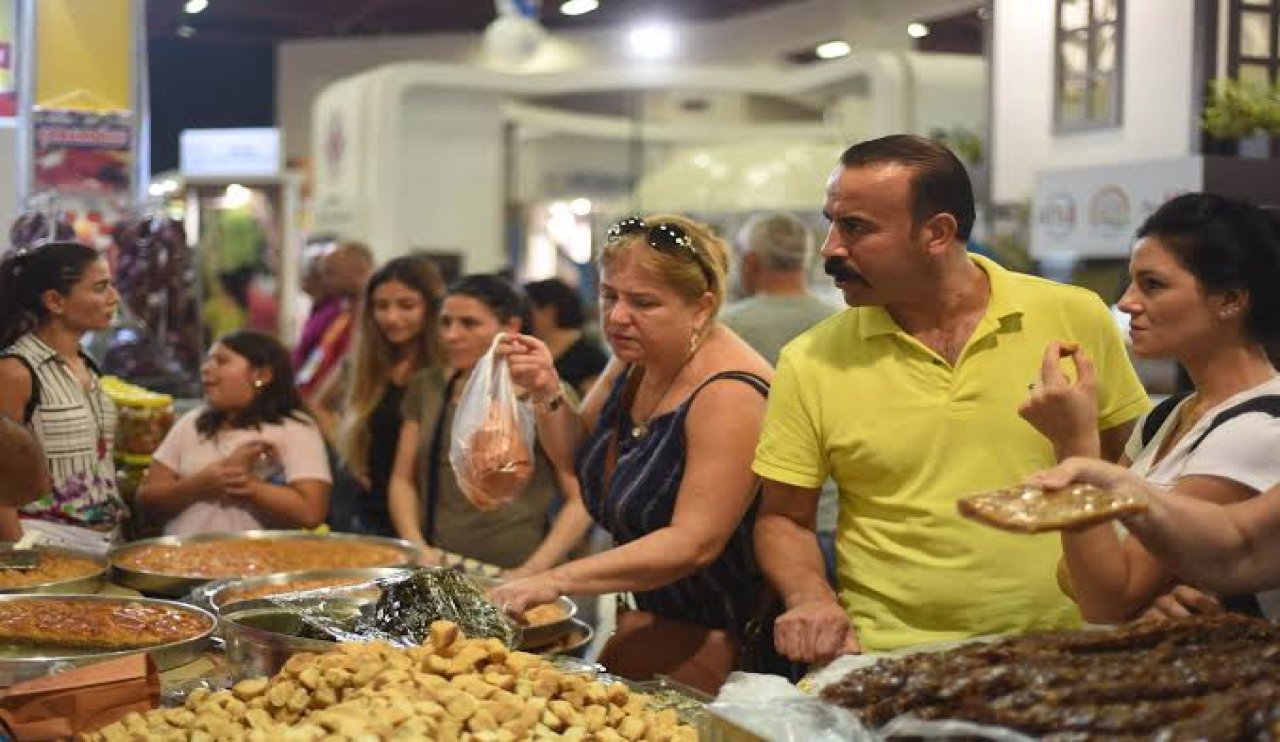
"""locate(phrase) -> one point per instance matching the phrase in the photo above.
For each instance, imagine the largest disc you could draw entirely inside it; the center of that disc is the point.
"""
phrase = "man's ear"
(937, 234)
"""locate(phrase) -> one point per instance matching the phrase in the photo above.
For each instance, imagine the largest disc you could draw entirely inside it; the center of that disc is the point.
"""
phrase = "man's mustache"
(839, 270)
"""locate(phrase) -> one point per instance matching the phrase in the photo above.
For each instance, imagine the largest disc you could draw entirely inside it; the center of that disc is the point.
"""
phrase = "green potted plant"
(1238, 110)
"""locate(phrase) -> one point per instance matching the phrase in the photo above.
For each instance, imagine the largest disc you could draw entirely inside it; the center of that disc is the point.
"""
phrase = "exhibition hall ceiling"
(256, 21)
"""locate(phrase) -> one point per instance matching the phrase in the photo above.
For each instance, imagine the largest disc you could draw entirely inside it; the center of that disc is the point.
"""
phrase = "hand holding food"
(1065, 411)
(1031, 508)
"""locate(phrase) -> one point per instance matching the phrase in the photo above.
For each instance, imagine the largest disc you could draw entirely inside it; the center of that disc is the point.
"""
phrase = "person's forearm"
(1100, 574)
(570, 526)
(658, 559)
(402, 506)
(560, 432)
(10, 526)
(1214, 547)
(791, 560)
(282, 505)
(172, 497)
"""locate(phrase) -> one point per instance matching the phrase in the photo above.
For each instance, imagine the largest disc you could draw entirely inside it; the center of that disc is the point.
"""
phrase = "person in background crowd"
(1204, 274)
(324, 306)
(557, 321)
(397, 338)
(1228, 548)
(24, 480)
(426, 504)
(249, 457)
(343, 272)
(775, 252)
(50, 296)
(662, 447)
(909, 401)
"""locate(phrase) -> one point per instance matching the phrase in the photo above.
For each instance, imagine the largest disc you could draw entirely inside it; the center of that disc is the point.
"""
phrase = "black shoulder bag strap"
(433, 458)
(34, 400)
(1157, 416)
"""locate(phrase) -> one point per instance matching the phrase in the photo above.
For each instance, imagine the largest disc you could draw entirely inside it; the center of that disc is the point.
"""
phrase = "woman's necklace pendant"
(639, 430)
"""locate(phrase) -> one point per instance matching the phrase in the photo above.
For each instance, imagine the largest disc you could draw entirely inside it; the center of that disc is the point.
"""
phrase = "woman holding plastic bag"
(663, 447)
(468, 475)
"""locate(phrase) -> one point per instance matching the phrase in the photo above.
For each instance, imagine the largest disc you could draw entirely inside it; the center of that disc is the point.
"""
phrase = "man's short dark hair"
(939, 183)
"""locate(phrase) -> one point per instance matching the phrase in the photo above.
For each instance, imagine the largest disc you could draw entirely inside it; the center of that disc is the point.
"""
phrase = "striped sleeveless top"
(77, 430)
(641, 498)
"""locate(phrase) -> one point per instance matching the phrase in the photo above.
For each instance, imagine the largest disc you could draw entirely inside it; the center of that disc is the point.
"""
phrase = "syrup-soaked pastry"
(1030, 509)
(52, 566)
(1205, 677)
(96, 624)
(244, 557)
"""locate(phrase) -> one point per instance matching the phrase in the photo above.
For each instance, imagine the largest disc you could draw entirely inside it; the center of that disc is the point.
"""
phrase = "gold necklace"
(641, 428)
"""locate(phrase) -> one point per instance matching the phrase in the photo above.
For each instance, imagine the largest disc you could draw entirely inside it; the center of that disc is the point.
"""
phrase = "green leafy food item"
(408, 607)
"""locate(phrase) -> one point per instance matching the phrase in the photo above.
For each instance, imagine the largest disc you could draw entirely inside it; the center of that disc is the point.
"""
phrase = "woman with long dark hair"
(397, 338)
(51, 295)
(250, 457)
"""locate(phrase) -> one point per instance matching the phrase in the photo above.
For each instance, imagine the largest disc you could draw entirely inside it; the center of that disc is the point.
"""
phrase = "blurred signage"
(1093, 212)
(8, 83)
(82, 152)
(205, 153)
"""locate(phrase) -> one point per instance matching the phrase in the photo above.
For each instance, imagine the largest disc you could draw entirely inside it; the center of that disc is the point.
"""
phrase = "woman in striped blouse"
(50, 296)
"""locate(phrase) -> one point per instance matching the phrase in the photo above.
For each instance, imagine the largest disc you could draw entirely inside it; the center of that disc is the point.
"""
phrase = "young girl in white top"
(250, 457)
(1204, 274)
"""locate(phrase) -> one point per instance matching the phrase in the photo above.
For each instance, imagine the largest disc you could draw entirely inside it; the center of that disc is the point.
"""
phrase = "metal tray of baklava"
(177, 584)
(23, 661)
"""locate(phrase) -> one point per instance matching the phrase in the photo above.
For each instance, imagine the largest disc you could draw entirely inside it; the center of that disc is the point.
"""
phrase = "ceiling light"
(652, 40)
(195, 6)
(832, 50)
(185, 31)
(578, 7)
(917, 30)
(580, 206)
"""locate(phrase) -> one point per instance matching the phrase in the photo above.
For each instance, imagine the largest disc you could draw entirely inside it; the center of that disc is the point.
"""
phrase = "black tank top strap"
(746, 377)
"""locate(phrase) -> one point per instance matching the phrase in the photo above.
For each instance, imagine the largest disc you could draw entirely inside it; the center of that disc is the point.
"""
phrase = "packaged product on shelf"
(144, 416)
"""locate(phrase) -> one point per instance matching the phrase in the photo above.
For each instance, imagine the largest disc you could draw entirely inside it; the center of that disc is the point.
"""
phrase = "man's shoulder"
(1039, 290)
(833, 333)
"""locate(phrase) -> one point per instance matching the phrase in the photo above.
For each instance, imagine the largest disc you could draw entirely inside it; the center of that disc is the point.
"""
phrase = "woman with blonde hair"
(396, 339)
(662, 447)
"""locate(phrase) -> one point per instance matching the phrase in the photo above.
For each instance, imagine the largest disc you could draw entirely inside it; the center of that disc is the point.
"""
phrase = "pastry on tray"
(1031, 509)
(96, 624)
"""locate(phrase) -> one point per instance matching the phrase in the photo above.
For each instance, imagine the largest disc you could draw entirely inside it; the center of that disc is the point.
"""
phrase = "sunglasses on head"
(664, 237)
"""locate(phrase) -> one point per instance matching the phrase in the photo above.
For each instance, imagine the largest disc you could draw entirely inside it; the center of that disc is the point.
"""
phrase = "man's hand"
(816, 631)
(1063, 411)
(1180, 602)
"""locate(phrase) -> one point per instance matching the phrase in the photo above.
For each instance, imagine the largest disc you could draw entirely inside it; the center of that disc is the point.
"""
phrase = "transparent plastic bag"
(493, 435)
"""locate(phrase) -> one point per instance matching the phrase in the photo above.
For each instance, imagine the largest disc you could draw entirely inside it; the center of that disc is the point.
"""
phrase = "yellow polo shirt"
(904, 434)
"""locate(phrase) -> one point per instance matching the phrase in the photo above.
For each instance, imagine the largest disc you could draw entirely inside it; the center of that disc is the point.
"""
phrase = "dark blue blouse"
(641, 499)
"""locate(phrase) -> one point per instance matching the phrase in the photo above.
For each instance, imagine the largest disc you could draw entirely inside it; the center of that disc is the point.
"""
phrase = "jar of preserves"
(130, 471)
(144, 417)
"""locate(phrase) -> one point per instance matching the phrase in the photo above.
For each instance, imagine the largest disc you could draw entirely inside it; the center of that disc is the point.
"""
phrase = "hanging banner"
(80, 152)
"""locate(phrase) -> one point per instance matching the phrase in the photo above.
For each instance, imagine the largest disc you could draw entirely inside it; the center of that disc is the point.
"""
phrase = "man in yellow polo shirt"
(909, 400)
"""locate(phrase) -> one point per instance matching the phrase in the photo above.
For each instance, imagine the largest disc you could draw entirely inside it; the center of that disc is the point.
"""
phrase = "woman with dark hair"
(557, 321)
(427, 505)
(1204, 274)
(397, 338)
(250, 457)
(50, 296)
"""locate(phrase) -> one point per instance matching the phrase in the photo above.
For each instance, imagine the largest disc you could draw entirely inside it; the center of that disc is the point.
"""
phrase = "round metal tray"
(173, 585)
(20, 662)
(572, 642)
(543, 633)
(259, 635)
(223, 593)
(83, 584)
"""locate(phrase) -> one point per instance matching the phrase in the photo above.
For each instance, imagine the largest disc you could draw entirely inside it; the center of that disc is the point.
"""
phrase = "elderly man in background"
(775, 252)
